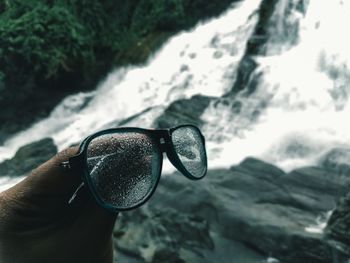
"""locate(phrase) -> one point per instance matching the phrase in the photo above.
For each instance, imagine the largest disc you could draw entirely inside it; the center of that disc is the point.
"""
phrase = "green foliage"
(44, 40)
(50, 48)
(2, 86)
(158, 14)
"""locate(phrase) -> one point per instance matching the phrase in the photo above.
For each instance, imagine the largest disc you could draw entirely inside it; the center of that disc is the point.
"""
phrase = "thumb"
(49, 188)
(37, 209)
(49, 179)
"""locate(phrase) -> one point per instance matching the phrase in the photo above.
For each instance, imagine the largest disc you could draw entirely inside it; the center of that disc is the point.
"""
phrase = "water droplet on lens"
(121, 169)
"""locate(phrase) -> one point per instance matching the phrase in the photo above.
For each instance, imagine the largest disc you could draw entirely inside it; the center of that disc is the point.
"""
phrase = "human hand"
(38, 225)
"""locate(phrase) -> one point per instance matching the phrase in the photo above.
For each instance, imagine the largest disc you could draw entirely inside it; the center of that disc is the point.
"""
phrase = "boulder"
(162, 235)
(28, 157)
(255, 207)
(186, 111)
(337, 231)
(256, 46)
(338, 159)
(267, 31)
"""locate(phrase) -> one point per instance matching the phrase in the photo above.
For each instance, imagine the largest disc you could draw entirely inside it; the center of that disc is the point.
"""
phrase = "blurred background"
(267, 81)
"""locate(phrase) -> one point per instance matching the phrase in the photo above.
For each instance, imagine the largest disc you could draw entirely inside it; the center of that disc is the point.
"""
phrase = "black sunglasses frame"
(163, 139)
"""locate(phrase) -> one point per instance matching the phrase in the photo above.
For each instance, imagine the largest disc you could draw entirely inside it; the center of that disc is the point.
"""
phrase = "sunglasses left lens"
(190, 149)
(123, 168)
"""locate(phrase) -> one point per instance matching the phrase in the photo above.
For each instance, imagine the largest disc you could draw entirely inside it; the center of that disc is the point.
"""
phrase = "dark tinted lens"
(123, 167)
(190, 149)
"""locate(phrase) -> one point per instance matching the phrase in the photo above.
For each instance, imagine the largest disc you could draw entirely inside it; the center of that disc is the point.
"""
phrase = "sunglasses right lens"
(190, 149)
(123, 168)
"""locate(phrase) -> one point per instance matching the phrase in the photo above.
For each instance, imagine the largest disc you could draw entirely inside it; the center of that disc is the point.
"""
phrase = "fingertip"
(49, 178)
(65, 154)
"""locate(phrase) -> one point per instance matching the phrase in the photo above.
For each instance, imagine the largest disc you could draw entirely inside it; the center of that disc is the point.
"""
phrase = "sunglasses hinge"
(65, 165)
(163, 147)
(75, 162)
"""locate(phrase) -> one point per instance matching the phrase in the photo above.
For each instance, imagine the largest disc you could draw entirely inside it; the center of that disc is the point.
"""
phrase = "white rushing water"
(302, 96)
(298, 112)
(202, 61)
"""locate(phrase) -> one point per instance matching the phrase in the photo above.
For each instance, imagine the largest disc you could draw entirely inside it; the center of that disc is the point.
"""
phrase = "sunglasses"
(122, 166)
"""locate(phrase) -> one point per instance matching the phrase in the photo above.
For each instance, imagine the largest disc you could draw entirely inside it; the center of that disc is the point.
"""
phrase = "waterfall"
(293, 110)
(296, 113)
(300, 108)
(201, 61)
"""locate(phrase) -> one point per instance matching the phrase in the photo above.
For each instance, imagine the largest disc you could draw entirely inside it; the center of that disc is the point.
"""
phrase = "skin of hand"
(38, 225)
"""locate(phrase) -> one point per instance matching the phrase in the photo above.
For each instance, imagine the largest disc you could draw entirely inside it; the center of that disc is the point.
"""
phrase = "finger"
(85, 205)
(92, 219)
(100, 221)
(49, 179)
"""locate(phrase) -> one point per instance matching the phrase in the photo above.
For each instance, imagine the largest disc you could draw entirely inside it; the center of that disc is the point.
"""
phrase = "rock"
(28, 157)
(184, 111)
(161, 235)
(256, 46)
(266, 32)
(259, 167)
(245, 78)
(337, 231)
(338, 159)
(314, 189)
(255, 207)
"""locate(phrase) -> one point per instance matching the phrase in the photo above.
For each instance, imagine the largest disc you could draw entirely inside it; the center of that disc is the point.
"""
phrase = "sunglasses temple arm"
(66, 166)
(76, 193)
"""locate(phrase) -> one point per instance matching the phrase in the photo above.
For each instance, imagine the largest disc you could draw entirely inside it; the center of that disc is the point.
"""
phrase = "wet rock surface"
(184, 111)
(244, 214)
(265, 33)
(338, 159)
(337, 231)
(28, 157)
(256, 46)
